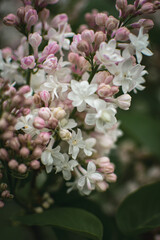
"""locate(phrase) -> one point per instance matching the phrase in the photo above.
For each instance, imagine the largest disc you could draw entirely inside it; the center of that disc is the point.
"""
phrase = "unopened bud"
(124, 101)
(73, 57)
(59, 113)
(99, 38)
(45, 136)
(44, 113)
(88, 36)
(45, 97)
(35, 164)
(83, 46)
(122, 34)
(21, 13)
(22, 168)
(3, 124)
(3, 186)
(52, 123)
(37, 152)
(111, 178)
(102, 186)
(28, 62)
(5, 194)
(14, 143)
(65, 135)
(39, 123)
(59, 19)
(13, 164)
(25, 89)
(1, 204)
(104, 90)
(10, 20)
(100, 19)
(44, 14)
(111, 23)
(24, 152)
(31, 18)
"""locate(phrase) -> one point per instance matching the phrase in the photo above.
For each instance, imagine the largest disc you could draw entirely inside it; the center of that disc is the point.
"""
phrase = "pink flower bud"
(124, 101)
(26, 111)
(28, 102)
(130, 10)
(28, 62)
(24, 152)
(51, 48)
(50, 65)
(31, 18)
(3, 154)
(35, 164)
(102, 186)
(22, 168)
(35, 40)
(121, 4)
(88, 36)
(5, 194)
(3, 124)
(45, 136)
(37, 99)
(52, 123)
(147, 8)
(60, 19)
(37, 152)
(114, 89)
(16, 100)
(59, 113)
(122, 34)
(21, 13)
(10, 20)
(100, 19)
(146, 23)
(13, 164)
(7, 135)
(65, 135)
(1, 204)
(111, 178)
(104, 90)
(45, 97)
(82, 28)
(44, 113)
(39, 123)
(83, 46)
(14, 143)
(99, 38)
(73, 57)
(44, 14)
(111, 23)
(6, 52)
(25, 89)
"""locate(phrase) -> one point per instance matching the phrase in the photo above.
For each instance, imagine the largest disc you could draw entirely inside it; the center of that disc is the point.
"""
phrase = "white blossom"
(86, 183)
(108, 54)
(140, 44)
(88, 147)
(82, 93)
(66, 166)
(126, 74)
(104, 118)
(75, 143)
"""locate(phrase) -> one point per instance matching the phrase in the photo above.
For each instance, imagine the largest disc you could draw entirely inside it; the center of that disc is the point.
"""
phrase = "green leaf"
(71, 219)
(140, 211)
(143, 128)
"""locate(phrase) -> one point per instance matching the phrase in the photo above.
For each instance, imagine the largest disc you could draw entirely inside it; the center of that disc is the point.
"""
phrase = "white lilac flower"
(75, 143)
(126, 74)
(26, 124)
(88, 147)
(37, 79)
(66, 166)
(108, 54)
(9, 70)
(82, 93)
(86, 183)
(67, 123)
(140, 44)
(104, 118)
(54, 86)
(50, 156)
(60, 36)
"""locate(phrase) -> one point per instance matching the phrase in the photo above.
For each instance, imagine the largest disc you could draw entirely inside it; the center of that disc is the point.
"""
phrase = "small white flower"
(86, 183)
(108, 54)
(54, 86)
(89, 144)
(67, 123)
(26, 124)
(126, 74)
(50, 156)
(105, 116)
(140, 44)
(66, 166)
(82, 93)
(75, 143)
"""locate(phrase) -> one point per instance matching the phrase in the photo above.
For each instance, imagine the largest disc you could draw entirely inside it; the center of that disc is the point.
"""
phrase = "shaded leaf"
(71, 219)
(140, 211)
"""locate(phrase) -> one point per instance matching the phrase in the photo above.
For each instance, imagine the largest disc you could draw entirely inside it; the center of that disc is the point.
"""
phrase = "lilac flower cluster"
(64, 120)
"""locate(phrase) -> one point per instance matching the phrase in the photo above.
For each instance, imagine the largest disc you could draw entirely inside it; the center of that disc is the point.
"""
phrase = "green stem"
(94, 71)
